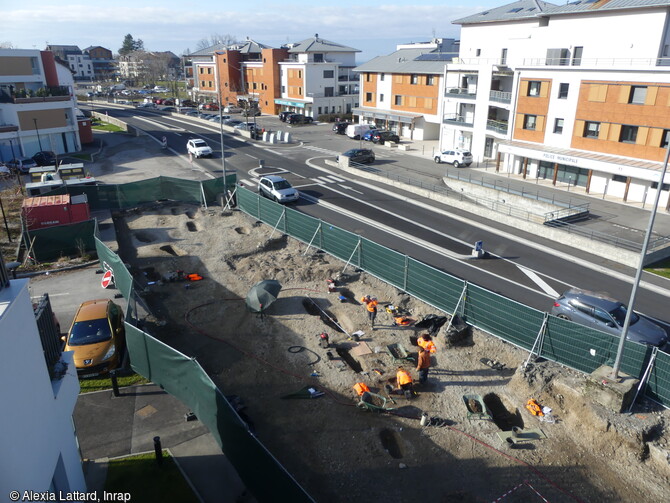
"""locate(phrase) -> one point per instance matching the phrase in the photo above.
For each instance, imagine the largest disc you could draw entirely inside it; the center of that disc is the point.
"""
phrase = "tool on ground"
(378, 371)
(494, 364)
(326, 315)
(332, 285)
(323, 340)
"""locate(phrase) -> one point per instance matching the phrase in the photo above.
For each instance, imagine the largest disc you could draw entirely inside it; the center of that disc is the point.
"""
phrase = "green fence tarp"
(433, 286)
(185, 379)
(54, 242)
(386, 264)
(123, 280)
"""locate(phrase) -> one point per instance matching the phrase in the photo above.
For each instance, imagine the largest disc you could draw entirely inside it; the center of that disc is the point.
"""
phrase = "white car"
(159, 89)
(147, 105)
(277, 188)
(232, 110)
(198, 148)
(457, 157)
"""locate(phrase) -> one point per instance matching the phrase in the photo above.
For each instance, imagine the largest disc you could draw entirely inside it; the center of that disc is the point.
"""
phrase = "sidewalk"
(109, 427)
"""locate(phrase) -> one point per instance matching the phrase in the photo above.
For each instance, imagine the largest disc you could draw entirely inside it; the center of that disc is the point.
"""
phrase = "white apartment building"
(575, 93)
(38, 448)
(37, 106)
(318, 78)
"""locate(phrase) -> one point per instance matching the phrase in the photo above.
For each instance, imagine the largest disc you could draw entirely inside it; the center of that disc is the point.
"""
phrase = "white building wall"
(384, 87)
(36, 418)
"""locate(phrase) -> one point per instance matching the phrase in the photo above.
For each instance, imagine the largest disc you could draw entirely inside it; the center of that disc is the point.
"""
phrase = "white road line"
(351, 189)
(340, 180)
(539, 281)
(321, 179)
(250, 183)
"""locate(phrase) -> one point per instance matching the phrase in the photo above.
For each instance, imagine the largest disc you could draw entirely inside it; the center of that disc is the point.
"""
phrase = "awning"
(389, 115)
(288, 103)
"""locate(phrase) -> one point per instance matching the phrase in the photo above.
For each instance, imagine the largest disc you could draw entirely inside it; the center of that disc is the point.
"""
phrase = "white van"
(118, 87)
(355, 131)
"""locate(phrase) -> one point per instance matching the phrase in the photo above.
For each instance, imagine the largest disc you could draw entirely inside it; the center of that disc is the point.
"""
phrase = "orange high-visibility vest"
(534, 407)
(426, 345)
(360, 388)
(370, 305)
(403, 377)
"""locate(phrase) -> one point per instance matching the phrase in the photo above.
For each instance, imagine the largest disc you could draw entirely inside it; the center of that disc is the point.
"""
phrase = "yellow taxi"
(97, 337)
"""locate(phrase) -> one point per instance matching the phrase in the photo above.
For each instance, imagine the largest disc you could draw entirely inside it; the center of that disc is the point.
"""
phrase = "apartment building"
(37, 106)
(79, 62)
(312, 77)
(577, 94)
(104, 65)
(149, 66)
(402, 92)
(39, 450)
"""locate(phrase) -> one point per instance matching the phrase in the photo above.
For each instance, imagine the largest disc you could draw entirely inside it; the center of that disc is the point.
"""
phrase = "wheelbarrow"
(476, 407)
(399, 354)
(373, 402)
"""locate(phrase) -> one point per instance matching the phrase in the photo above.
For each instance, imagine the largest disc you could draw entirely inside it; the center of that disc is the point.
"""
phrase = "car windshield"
(619, 315)
(90, 332)
(283, 184)
(199, 143)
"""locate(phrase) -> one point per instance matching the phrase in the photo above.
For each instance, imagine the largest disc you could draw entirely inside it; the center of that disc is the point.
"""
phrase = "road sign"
(107, 279)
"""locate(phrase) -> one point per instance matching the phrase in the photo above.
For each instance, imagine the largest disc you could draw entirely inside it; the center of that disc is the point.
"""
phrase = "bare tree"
(214, 39)
(6, 45)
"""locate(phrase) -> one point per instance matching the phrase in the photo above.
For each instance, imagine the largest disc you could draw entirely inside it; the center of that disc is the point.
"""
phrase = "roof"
(253, 47)
(316, 44)
(530, 9)
(208, 51)
(426, 61)
(63, 48)
(92, 310)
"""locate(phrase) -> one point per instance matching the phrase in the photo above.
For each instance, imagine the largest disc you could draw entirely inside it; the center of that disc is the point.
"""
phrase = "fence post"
(202, 193)
(318, 228)
(404, 279)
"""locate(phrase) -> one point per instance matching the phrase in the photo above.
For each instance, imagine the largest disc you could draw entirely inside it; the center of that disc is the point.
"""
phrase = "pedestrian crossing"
(321, 180)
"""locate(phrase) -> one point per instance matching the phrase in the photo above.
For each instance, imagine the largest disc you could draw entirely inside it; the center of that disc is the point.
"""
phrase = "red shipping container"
(47, 211)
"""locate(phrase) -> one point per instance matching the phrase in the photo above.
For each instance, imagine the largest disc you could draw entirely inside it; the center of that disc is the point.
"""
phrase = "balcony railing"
(497, 126)
(459, 120)
(501, 96)
(461, 92)
(8, 128)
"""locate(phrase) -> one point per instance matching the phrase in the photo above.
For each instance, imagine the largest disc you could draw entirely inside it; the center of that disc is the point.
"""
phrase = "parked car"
(277, 188)
(209, 106)
(45, 158)
(251, 112)
(245, 126)
(383, 136)
(231, 122)
(341, 127)
(148, 104)
(198, 148)
(167, 109)
(359, 155)
(299, 119)
(598, 311)
(21, 165)
(160, 89)
(457, 157)
(97, 337)
(4, 170)
(191, 113)
(232, 110)
(354, 131)
(168, 102)
(367, 136)
(284, 115)
(188, 103)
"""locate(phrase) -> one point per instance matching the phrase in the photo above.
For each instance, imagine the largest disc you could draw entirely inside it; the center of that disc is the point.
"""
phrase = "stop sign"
(106, 279)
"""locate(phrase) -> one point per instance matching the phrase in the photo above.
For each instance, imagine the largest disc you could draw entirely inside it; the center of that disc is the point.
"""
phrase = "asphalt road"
(521, 266)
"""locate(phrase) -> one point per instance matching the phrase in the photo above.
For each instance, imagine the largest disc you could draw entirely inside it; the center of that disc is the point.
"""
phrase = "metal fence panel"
(383, 262)
(340, 243)
(108, 259)
(60, 240)
(248, 201)
(214, 187)
(272, 213)
(303, 227)
(433, 286)
(509, 320)
(658, 387)
(137, 193)
(175, 189)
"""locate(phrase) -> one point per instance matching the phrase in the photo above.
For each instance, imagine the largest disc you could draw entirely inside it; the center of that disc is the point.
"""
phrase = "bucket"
(424, 419)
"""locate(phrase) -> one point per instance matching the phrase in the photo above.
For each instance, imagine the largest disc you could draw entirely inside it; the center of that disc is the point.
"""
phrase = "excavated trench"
(327, 317)
(504, 419)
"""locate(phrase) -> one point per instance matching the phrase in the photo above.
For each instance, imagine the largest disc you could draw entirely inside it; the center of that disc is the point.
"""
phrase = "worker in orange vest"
(426, 342)
(371, 305)
(404, 380)
(423, 365)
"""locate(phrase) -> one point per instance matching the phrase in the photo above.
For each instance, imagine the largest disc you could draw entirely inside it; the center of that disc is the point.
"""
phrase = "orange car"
(97, 337)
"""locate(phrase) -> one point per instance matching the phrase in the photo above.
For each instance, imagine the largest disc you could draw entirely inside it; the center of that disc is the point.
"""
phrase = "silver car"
(598, 311)
(278, 189)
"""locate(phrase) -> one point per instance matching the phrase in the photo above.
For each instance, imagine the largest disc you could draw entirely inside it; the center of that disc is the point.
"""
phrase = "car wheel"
(563, 317)
(437, 160)
(456, 164)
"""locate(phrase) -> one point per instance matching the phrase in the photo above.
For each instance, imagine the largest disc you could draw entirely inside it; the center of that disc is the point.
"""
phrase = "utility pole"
(219, 93)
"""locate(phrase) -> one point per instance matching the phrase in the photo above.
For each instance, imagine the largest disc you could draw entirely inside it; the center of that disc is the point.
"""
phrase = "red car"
(211, 106)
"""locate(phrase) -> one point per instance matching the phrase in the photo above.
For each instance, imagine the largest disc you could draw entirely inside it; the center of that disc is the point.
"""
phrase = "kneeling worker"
(404, 381)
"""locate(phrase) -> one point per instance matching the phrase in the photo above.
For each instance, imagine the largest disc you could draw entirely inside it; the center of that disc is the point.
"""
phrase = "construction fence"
(562, 341)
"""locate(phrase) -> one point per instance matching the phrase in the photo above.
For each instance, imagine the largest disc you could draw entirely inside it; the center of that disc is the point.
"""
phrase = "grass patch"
(144, 480)
(98, 384)
(661, 268)
(107, 127)
(83, 157)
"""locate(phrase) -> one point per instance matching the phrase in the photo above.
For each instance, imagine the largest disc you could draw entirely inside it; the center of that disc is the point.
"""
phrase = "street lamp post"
(219, 93)
(38, 134)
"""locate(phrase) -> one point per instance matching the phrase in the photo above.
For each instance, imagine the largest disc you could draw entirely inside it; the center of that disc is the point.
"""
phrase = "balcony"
(459, 92)
(52, 93)
(8, 128)
(458, 120)
(500, 96)
(497, 126)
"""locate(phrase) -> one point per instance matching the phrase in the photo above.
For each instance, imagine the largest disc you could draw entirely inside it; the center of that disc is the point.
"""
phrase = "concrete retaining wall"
(110, 120)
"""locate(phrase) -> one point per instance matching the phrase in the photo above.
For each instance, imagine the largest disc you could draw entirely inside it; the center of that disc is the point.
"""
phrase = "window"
(665, 139)
(666, 186)
(319, 111)
(558, 126)
(368, 77)
(328, 92)
(529, 122)
(414, 79)
(299, 74)
(398, 99)
(318, 58)
(381, 98)
(558, 57)
(534, 88)
(577, 56)
(328, 74)
(368, 97)
(430, 80)
(563, 91)
(628, 134)
(591, 129)
(283, 89)
(478, 52)
(503, 57)
(619, 178)
(638, 94)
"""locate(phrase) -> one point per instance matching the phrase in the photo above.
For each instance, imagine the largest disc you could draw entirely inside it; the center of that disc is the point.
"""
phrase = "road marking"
(539, 281)
(319, 149)
(351, 189)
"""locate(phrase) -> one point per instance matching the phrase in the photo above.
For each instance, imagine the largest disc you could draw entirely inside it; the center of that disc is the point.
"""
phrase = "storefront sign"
(560, 158)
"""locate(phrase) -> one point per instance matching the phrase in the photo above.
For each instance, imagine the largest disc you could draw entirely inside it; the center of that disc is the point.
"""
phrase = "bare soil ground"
(339, 452)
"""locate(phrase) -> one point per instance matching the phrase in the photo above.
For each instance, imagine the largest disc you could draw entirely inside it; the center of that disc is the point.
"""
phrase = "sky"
(375, 28)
